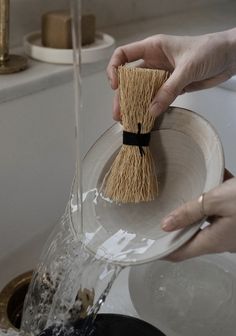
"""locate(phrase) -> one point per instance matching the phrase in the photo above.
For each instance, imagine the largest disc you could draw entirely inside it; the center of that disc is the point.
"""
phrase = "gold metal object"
(11, 301)
(13, 295)
(201, 201)
(8, 63)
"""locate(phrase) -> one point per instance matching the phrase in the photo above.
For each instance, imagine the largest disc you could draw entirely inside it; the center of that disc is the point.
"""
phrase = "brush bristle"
(132, 177)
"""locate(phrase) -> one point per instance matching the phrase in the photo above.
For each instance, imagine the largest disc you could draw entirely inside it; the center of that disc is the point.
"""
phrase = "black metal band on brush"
(137, 139)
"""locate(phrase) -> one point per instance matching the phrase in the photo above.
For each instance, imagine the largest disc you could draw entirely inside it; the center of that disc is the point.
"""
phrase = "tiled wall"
(26, 14)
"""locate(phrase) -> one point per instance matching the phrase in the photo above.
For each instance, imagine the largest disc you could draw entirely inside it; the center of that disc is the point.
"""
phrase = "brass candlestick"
(8, 63)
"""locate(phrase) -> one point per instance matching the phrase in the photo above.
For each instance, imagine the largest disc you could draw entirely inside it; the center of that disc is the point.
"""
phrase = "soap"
(56, 29)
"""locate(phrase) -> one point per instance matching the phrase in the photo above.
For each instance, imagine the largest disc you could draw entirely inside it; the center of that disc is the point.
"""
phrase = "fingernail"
(168, 223)
(155, 109)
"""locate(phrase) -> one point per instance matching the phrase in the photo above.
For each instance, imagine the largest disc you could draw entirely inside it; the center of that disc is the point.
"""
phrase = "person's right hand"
(219, 208)
(195, 63)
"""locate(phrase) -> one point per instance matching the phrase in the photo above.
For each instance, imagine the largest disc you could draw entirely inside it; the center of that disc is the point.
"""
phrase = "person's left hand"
(219, 207)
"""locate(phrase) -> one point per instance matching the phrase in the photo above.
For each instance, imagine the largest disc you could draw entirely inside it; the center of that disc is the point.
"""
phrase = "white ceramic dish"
(195, 297)
(101, 49)
(189, 160)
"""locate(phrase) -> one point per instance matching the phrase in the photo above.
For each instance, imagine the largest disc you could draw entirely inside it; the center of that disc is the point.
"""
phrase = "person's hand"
(195, 63)
(219, 205)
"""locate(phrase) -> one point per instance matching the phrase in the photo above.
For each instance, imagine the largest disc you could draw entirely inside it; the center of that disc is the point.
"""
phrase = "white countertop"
(39, 76)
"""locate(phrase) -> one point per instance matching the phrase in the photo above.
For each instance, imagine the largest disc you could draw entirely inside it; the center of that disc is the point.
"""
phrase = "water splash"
(69, 284)
(9, 332)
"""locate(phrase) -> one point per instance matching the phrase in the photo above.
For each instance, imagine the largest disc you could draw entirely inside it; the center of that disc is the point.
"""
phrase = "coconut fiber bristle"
(132, 176)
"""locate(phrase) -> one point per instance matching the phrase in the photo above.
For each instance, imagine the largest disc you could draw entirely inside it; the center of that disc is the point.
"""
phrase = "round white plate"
(195, 297)
(100, 50)
(189, 159)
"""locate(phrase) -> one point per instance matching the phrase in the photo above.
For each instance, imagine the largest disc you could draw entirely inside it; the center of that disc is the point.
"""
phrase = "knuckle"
(161, 38)
(149, 39)
(156, 40)
(190, 214)
(117, 52)
(170, 91)
(213, 201)
(185, 215)
(120, 53)
(189, 65)
(178, 217)
(159, 103)
(188, 68)
(214, 194)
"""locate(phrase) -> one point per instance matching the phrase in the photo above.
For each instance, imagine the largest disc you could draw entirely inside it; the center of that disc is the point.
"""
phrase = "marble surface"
(40, 76)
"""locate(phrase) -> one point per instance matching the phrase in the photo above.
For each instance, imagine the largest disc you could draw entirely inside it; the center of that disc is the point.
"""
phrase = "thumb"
(186, 215)
(206, 241)
(168, 92)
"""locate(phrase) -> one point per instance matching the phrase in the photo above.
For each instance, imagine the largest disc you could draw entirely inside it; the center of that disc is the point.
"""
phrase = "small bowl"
(100, 50)
(194, 297)
(189, 160)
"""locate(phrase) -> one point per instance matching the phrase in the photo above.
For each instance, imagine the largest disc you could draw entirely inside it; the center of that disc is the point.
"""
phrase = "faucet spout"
(4, 30)
(8, 63)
